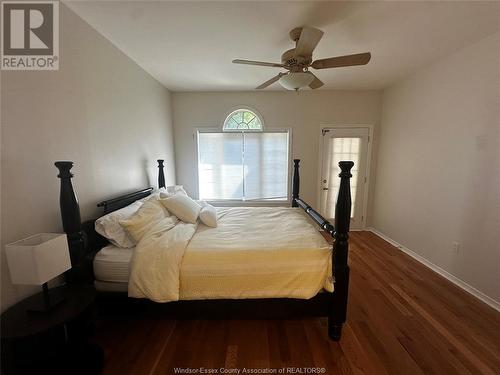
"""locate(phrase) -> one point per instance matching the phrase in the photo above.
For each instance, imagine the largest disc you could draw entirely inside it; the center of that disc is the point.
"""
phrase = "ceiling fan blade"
(270, 82)
(259, 63)
(308, 40)
(316, 83)
(339, 61)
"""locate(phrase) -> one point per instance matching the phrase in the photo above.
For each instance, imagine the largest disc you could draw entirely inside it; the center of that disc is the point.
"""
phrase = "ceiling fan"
(298, 60)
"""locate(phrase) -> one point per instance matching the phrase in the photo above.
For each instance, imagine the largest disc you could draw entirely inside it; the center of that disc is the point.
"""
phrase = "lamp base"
(47, 302)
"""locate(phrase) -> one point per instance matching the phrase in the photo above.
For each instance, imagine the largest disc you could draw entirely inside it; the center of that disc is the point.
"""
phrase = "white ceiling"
(188, 46)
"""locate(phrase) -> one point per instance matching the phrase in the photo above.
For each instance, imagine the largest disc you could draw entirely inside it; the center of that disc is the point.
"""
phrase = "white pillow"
(208, 215)
(146, 217)
(175, 189)
(109, 225)
(183, 207)
(155, 194)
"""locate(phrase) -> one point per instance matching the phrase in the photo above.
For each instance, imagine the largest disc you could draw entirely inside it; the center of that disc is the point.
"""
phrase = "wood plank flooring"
(402, 319)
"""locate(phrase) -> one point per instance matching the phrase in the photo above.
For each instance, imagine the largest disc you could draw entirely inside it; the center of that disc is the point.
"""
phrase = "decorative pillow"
(146, 217)
(175, 189)
(183, 207)
(208, 215)
(109, 225)
(156, 194)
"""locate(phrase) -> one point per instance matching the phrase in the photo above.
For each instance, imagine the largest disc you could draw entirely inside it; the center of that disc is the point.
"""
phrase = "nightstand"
(53, 342)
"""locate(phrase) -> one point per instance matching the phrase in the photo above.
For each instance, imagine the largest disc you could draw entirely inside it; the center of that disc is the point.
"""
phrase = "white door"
(344, 144)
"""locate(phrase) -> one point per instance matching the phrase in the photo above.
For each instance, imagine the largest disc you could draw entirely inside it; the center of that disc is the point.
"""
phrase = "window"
(242, 119)
(243, 162)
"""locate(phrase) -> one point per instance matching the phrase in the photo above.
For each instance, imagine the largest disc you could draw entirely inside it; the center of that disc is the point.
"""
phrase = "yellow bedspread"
(264, 252)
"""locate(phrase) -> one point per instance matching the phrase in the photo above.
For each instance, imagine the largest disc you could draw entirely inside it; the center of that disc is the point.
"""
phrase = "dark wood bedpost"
(161, 175)
(338, 312)
(296, 182)
(70, 213)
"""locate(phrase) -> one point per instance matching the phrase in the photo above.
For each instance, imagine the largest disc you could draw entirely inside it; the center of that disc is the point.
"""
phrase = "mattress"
(264, 252)
(112, 264)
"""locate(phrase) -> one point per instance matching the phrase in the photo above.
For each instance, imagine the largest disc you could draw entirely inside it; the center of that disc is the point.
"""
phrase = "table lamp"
(35, 261)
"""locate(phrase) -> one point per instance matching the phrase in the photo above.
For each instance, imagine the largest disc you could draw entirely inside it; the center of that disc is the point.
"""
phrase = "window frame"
(247, 202)
(242, 108)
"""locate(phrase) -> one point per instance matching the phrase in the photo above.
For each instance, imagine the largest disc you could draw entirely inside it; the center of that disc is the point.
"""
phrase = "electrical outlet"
(456, 247)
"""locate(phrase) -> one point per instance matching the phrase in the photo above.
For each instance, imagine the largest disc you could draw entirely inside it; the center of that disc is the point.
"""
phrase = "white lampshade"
(296, 80)
(38, 259)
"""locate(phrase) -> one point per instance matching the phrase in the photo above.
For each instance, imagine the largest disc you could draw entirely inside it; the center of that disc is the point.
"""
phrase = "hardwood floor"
(402, 319)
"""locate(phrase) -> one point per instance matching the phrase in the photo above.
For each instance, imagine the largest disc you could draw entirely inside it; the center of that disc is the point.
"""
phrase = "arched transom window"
(242, 119)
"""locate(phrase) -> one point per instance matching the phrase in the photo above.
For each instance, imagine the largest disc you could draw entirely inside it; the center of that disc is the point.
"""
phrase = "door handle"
(325, 188)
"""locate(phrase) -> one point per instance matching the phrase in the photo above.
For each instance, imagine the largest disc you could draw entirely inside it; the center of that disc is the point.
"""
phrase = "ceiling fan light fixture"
(296, 80)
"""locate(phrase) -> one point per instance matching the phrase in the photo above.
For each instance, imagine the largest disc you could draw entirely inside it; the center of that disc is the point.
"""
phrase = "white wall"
(304, 113)
(438, 174)
(99, 110)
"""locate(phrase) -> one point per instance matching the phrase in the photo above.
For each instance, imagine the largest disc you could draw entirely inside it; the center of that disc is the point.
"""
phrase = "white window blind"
(243, 166)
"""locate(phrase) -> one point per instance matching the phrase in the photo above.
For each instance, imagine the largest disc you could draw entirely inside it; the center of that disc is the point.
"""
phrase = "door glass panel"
(340, 149)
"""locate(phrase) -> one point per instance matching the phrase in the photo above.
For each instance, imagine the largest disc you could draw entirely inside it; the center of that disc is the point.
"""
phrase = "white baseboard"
(455, 280)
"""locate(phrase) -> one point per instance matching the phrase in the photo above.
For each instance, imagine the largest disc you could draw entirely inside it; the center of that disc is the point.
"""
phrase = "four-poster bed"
(85, 243)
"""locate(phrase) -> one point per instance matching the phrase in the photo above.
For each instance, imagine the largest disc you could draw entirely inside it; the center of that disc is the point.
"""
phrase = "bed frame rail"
(340, 232)
(320, 220)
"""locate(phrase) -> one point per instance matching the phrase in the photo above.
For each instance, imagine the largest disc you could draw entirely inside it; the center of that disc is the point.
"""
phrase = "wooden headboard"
(121, 201)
